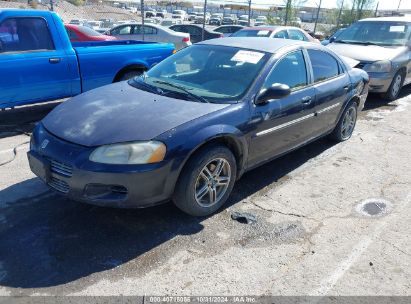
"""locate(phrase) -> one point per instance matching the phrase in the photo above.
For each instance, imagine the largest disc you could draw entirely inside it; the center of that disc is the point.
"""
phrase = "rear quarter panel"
(100, 62)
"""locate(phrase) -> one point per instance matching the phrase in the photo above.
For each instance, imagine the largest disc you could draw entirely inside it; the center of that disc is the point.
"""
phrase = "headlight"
(383, 66)
(130, 153)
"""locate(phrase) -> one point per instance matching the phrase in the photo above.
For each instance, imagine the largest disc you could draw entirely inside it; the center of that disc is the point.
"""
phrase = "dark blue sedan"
(191, 126)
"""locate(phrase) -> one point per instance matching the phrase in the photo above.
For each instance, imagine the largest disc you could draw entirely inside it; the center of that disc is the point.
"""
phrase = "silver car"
(152, 33)
(383, 48)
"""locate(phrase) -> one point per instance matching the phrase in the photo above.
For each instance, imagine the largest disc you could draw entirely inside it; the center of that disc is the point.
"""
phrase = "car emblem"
(44, 143)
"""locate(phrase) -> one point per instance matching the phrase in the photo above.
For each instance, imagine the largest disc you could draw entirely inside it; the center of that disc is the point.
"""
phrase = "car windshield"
(384, 33)
(217, 74)
(252, 33)
(88, 31)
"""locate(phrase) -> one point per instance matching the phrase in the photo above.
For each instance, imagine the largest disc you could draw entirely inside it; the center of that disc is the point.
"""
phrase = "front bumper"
(66, 169)
(380, 82)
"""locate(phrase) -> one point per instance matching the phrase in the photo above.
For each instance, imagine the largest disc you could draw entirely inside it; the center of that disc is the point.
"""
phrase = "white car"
(152, 33)
(170, 22)
(179, 14)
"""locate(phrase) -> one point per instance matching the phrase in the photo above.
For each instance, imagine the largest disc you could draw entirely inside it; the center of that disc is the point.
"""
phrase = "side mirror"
(276, 91)
(332, 39)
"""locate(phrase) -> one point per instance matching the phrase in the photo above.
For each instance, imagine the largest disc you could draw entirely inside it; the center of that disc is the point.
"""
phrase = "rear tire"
(131, 74)
(395, 87)
(206, 181)
(346, 124)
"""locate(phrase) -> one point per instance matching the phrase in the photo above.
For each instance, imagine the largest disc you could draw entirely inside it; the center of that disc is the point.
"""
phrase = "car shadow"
(23, 119)
(48, 240)
(375, 101)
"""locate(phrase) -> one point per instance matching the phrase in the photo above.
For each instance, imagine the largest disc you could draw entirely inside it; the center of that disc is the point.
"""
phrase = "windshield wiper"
(341, 41)
(139, 81)
(188, 93)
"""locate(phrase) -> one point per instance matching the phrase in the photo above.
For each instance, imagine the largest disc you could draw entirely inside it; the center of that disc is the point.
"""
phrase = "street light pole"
(249, 12)
(143, 17)
(339, 15)
(399, 4)
(204, 19)
(318, 14)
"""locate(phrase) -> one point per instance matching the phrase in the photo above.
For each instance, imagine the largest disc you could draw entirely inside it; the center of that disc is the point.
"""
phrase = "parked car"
(383, 47)
(152, 33)
(79, 22)
(150, 14)
(227, 30)
(170, 22)
(179, 14)
(283, 32)
(77, 33)
(39, 63)
(228, 21)
(333, 36)
(296, 22)
(200, 17)
(191, 16)
(195, 32)
(216, 19)
(161, 15)
(94, 24)
(195, 123)
(260, 20)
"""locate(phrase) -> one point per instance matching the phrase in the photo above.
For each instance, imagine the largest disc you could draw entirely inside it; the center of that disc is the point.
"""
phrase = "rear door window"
(297, 35)
(324, 65)
(25, 34)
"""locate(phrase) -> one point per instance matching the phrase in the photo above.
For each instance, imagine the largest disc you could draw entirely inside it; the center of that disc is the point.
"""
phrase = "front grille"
(61, 168)
(59, 185)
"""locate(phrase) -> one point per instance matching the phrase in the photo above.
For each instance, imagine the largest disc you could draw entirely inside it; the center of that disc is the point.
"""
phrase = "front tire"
(346, 124)
(206, 181)
(395, 87)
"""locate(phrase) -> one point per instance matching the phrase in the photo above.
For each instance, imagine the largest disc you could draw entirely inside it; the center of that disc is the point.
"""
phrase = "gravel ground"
(314, 233)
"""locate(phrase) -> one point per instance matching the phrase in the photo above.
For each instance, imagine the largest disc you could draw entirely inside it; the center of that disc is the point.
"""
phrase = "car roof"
(389, 19)
(269, 45)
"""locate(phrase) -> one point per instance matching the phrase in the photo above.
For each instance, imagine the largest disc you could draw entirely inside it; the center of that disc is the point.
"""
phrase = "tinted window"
(148, 30)
(290, 70)
(24, 34)
(281, 34)
(297, 35)
(324, 65)
(122, 30)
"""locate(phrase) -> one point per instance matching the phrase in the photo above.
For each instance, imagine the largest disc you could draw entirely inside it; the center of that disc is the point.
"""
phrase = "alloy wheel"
(212, 182)
(348, 123)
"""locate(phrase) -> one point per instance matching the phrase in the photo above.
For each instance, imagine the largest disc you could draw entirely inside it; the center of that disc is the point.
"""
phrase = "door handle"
(54, 60)
(346, 88)
(306, 100)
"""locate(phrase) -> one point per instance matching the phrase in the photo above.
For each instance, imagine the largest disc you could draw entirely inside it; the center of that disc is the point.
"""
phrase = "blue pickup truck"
(38, 62)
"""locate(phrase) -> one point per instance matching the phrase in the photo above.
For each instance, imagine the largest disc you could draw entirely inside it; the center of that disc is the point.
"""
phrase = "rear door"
(288, 122)
(332, 84)
(31, 67)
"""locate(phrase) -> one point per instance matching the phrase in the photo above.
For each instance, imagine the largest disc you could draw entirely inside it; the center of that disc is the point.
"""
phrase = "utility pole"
(399, 4)
(376, 9)
(51, 5)
(318, 14)
(143, 17)
(339, 15)
(249, 12)
(204, 19)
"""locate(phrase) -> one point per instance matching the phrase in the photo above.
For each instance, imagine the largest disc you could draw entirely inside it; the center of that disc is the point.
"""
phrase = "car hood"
(367, 52)
(121, 113)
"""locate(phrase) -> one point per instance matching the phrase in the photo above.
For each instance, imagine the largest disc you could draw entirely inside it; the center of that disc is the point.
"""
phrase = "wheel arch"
(129, 68)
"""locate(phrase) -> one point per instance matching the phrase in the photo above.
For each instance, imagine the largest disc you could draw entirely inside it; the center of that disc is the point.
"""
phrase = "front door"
(288, 122)
(31, 68)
